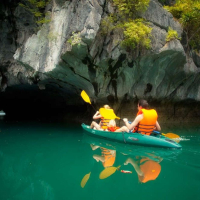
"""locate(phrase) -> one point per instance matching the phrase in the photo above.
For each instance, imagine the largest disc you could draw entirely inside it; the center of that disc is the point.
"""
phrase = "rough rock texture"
(44, 61)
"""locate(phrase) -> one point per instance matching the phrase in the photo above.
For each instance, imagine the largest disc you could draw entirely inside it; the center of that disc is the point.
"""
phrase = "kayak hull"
(134, 138)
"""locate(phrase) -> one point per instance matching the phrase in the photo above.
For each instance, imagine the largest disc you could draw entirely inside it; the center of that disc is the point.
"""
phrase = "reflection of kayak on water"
(144, 160)
(127, 149)
(134, 138)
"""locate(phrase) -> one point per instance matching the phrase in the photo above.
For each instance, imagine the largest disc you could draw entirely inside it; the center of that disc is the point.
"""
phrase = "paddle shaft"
(93, 107)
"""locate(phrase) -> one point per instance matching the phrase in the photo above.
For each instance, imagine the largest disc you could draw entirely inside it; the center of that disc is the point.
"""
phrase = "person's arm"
(157, 127)
(134, 123)
(97, 115)
(135, 165)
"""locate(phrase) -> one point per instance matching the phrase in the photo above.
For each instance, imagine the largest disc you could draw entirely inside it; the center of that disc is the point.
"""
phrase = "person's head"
(143, 104)
(106, 107)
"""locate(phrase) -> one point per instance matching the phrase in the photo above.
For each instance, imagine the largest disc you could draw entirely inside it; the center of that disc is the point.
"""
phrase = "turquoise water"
(40, 160)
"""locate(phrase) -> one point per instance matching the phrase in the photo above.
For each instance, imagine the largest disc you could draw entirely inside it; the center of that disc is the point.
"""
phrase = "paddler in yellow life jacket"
(146, 120)
(104, 123)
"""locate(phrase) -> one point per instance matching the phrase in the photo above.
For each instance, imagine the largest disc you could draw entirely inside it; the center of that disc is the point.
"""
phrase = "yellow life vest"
(104, 123)
(147, 124)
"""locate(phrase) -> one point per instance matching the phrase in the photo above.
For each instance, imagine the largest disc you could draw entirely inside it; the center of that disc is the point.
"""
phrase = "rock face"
(46, 61)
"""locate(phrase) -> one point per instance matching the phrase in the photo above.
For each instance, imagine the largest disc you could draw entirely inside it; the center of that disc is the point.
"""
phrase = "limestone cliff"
(44, 61)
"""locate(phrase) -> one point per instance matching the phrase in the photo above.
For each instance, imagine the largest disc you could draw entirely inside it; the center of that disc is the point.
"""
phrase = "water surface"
(40, 160)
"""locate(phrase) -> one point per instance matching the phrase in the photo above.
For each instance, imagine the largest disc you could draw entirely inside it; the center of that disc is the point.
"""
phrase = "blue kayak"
(155, 140)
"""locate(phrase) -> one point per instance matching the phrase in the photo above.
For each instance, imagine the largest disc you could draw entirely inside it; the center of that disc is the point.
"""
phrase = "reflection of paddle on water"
(85, 179)
(107, 159)
(111, 170)
(108, 172)
(145, 164)
(104, 174)
(145, 168)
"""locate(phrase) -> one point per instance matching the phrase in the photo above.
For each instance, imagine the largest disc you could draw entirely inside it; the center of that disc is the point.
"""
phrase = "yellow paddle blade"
(108, 113)
(85, 179)
(108, 172)
(85, 97)
(172, 136)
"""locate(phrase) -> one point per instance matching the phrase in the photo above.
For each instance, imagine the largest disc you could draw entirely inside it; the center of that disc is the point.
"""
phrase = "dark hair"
(143, 103)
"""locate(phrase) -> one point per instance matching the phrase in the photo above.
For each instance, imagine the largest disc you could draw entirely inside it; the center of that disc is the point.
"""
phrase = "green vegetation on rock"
(130, 8)
(136, 31)
(188, 14)
(107, 24)
(171, 35)
(37, 8)
(137, 34)
(74, 39)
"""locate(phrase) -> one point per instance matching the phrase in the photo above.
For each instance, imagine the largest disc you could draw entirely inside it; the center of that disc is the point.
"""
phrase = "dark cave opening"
(25, 103)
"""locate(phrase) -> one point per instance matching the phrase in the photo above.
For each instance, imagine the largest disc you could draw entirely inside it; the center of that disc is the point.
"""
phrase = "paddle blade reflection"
(85, 179)
(108, 172)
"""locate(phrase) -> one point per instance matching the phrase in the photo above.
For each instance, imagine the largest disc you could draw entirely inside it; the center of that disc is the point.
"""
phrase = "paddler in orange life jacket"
(104, 123)
(145, 121)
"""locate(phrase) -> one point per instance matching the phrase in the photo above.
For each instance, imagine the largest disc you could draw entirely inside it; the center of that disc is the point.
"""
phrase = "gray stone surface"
(97, 63)
(160, 17)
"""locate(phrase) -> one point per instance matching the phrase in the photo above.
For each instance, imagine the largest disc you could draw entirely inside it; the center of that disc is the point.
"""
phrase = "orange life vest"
(136, 127)
(147, 124)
